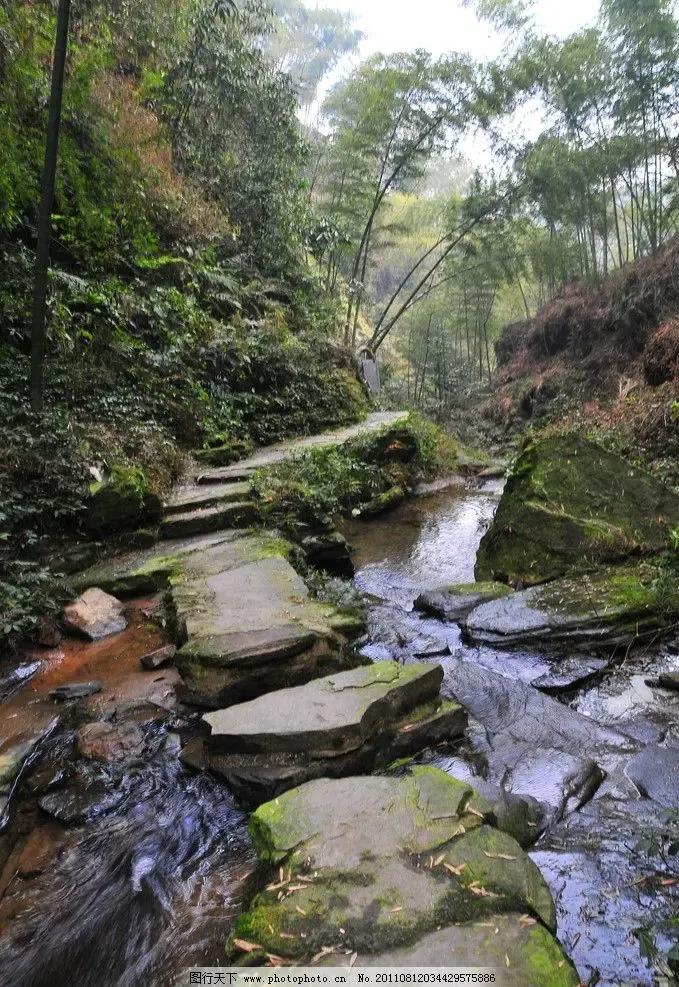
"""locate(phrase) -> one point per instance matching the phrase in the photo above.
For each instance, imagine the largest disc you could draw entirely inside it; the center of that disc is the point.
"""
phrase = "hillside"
(183, 312)
(605, 359)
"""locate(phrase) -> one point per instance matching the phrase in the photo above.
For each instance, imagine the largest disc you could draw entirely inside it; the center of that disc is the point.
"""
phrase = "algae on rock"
(570, 502)
(375, 864)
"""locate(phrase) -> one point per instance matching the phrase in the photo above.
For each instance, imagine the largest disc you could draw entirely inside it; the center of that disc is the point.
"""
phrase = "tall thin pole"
(46, 206)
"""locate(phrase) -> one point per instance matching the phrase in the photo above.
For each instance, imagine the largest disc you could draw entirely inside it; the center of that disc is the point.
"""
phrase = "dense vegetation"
(227, 237)
(182, 312)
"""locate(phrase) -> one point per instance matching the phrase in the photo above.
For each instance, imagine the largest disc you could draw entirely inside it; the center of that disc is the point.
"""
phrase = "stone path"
(390, 870)
(272, 455)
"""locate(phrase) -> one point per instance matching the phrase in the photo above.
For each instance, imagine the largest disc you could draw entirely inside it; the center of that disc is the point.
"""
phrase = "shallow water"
(608, 854)
(151, 884)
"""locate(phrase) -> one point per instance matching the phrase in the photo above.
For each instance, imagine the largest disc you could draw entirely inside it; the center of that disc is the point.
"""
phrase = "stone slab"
(335, 714)
(454, 602)
(609, 607)
(193, 497)
(416, 853)
(203, 521)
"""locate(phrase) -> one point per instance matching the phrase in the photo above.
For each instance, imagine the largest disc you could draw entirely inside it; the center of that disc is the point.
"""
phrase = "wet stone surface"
(609, 853)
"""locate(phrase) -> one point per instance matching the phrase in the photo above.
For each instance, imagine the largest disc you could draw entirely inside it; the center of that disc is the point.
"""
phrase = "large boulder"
(117, 502)
(371, 865)
(568, 501)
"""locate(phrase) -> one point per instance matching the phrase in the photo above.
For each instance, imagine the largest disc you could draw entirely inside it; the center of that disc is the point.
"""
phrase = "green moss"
(567, 500)
(116, 503)
(546, 963)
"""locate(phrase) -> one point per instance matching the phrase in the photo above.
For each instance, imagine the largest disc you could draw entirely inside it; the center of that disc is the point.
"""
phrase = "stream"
(570, 740)
(579, 747)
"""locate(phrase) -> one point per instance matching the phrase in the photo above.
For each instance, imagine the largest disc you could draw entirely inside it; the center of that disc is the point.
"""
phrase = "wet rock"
(571, 673)
(343, 724)
(12, 682)
(16, 754)
(522, 817)
(110, 743)
(568, 501)
(608, 607)
(655, 772)
(454, 602)
(329, 552)
(80, 802)
(95, 615)
(49, 633)
(50, 773)
(669, 680)
(39, 850)
(76, 690)
(159, 658)
(534, 746)
(415, 853)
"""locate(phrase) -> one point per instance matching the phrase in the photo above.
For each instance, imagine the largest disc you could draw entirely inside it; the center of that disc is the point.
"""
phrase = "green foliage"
(310, 488)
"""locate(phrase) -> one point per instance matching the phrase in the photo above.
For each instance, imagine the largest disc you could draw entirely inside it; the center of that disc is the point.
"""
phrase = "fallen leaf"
(498, 856)
(245, 946)
(455, 870)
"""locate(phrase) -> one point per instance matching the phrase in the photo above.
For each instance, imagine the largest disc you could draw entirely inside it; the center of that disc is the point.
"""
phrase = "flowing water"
(151, 884)
(609, 854)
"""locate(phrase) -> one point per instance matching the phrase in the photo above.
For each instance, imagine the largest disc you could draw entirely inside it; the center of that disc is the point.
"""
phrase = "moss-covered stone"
(375, 864)
(568, 500)
(383, 502)
(117, 502)
(612, 605)
(225, 452)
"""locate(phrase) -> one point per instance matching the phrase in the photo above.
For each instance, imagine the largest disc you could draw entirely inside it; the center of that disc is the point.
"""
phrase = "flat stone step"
(335, 714)
(207, 520)
(241, 616)
(272, 455)
(255, 778)
(344, 724)
(407, 871)
(194, 497)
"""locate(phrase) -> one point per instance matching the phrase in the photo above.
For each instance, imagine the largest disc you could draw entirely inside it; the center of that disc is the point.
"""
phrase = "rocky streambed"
(490, 772)
(582, 751)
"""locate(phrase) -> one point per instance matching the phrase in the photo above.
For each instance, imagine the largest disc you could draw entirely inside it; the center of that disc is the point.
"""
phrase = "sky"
(441, 26)
(445, 25)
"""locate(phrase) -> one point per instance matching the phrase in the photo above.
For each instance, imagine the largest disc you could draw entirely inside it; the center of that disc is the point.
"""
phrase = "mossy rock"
(568, 502)
(225, 453)
(117, 502)
(375, 864)
(383, 502)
